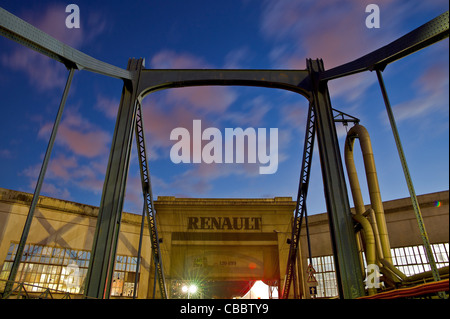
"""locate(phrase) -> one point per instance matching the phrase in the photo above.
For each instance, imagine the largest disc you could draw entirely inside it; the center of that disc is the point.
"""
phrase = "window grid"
(325, 276)
(410, 260)
(63, 269)
(124, 276)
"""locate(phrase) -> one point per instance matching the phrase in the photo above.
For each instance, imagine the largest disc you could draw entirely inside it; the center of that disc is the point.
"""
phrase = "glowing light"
(192, 289)
(260, 291)
(184, 289)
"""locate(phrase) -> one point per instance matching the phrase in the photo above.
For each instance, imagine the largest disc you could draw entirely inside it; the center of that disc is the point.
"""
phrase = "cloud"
(209, 99)
(334, 31)
(237, 58)
(108, 106)
(61, 167)
(43, 72)
(79, 136)
(430, 94)
(168, 59)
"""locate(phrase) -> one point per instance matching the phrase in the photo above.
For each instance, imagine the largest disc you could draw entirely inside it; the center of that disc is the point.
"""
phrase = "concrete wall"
(72, 225)
(218, 251)
(66, 224)
(401, 223)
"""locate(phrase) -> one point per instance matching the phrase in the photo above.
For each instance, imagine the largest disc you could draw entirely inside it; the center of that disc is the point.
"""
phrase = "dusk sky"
(247, 34)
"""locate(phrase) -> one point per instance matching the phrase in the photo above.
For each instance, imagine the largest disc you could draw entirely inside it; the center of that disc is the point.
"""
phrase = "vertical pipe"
(37, 191)
(415, 203)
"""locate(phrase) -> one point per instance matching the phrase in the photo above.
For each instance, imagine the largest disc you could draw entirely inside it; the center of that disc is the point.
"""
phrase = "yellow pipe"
(360, 132)
(369, 239)
(371, 217)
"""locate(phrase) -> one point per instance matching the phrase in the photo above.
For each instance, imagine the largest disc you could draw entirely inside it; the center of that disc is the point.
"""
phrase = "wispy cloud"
(43, 72)
(429, 92)
(79, 135)
(334, 31)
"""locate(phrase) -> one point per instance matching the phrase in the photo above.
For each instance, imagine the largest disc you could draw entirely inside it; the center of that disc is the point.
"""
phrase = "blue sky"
(249, 34)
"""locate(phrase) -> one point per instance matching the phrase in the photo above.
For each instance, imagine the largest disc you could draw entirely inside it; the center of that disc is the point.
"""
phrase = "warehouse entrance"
(223, 246)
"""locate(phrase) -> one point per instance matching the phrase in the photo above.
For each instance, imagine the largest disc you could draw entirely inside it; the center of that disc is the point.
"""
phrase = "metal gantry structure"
(148, 202)
(300, 209)
(312, 83)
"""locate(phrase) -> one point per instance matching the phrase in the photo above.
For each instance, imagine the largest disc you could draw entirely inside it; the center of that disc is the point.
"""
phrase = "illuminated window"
(48, 267)
(63, 269)
(410, 260)
(325, 276)
(124, 276)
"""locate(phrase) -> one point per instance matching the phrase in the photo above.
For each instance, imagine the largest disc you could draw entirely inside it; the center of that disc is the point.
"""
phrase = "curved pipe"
(369, 239)
(359, 131)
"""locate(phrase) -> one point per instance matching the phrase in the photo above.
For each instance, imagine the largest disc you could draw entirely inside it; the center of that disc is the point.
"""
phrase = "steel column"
(412, 193)
(348, 268)
(101, 264)
(37, 191)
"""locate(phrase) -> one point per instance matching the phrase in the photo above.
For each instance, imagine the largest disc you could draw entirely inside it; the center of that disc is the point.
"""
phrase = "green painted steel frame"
(299, 81)
(138, 82)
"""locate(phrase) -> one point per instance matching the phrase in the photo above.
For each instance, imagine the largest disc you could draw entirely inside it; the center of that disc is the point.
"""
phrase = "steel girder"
(101, 264)
(348, 268)
(26, 34)
(431, 32)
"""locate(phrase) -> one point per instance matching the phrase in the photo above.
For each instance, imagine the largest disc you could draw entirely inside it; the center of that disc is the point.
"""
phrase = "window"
(48, 267)
(63, 269)
(410, 260)
(124, 276)
(325, 276)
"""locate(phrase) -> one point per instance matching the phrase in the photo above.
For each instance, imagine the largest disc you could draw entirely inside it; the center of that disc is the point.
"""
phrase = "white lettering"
(181, 151)
(212, 152)
(373, 19)
(73, 19)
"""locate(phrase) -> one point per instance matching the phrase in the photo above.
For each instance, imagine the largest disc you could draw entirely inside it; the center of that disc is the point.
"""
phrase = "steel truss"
(148, 202)
(301, 211)
(301, 200)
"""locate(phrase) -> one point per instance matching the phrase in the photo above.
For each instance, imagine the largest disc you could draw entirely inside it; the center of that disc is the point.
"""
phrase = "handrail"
(46, 289)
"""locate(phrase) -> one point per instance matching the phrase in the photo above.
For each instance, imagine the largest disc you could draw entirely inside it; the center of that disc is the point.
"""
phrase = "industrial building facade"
(221, 245)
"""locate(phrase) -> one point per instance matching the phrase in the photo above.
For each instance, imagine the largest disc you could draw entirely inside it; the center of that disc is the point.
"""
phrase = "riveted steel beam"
(101, 264)
(348, 268)
(18, 30)
(431, 32)
(159, 79)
